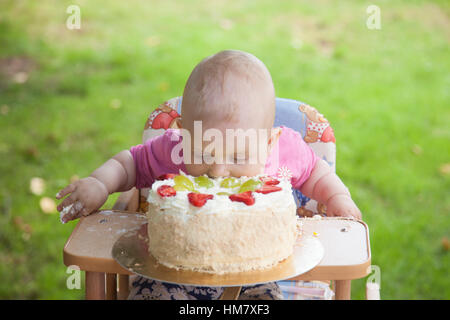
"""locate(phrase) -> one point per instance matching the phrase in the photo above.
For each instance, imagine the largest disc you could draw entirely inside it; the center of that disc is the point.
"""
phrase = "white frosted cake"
(221, 225)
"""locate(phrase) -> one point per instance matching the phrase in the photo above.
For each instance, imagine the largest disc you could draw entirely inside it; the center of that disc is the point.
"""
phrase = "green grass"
(386, 92)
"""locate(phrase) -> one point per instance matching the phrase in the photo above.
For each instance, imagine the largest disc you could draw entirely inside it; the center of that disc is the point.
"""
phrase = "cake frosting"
(204, 226)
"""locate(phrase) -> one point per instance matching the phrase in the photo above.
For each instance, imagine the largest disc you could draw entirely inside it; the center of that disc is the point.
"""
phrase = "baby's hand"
(86, 196)
(342, 205)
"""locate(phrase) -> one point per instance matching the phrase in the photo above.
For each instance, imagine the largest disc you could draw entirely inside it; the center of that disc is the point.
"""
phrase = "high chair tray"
(131, 252)
(345, 242)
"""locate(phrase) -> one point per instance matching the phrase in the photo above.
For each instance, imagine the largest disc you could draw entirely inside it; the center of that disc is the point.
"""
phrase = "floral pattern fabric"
(147, 289)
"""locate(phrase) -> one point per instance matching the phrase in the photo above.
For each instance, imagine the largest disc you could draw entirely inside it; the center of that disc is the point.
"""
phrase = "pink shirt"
(290, 157)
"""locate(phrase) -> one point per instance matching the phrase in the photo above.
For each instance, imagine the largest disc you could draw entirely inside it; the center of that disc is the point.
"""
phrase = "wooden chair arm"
(127, 201)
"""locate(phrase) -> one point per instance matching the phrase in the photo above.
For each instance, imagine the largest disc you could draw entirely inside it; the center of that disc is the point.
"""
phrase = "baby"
(229, 90)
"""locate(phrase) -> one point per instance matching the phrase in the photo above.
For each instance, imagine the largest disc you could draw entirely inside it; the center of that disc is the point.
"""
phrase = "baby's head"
(229, 90)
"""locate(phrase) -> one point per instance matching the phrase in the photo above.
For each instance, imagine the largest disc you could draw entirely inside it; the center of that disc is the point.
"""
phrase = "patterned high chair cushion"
(312, 125)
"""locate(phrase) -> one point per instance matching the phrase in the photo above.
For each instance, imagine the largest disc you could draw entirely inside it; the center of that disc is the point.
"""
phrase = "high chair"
(345, 241)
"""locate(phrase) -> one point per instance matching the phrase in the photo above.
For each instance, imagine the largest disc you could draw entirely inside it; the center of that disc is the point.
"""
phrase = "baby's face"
(242, 153)
(228, 91)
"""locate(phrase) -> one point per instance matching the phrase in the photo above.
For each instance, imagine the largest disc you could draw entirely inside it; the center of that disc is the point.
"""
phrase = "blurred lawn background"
(70, 99)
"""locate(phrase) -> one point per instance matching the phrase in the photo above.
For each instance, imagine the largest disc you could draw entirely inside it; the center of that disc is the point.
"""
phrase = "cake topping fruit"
(203, 181)
(199, 199)
(166, 191)
(236, 189)
(183, 183)
(270, 181)
(230, 183)
(267, 188)
(250, 185)
(245, 197)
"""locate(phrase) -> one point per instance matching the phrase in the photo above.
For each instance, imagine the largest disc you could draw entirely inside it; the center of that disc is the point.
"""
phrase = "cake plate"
(131, 252)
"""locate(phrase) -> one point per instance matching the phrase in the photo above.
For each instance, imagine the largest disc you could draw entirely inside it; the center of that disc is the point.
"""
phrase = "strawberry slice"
(166, 176)
(245, 197)
(166, 191)
(269, 181)
(268, 189)
(199, 199)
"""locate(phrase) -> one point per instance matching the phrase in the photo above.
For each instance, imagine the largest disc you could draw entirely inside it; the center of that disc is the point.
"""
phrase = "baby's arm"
(325, 187)
(89, 194)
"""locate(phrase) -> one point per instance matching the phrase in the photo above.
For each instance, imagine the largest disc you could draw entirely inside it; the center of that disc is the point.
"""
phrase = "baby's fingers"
(352, 214)
(357, 214)
(71, 212)
(69, 189)
(66, 202)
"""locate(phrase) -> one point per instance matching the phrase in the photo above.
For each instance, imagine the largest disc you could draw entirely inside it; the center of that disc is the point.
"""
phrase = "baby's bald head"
(231, 87)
